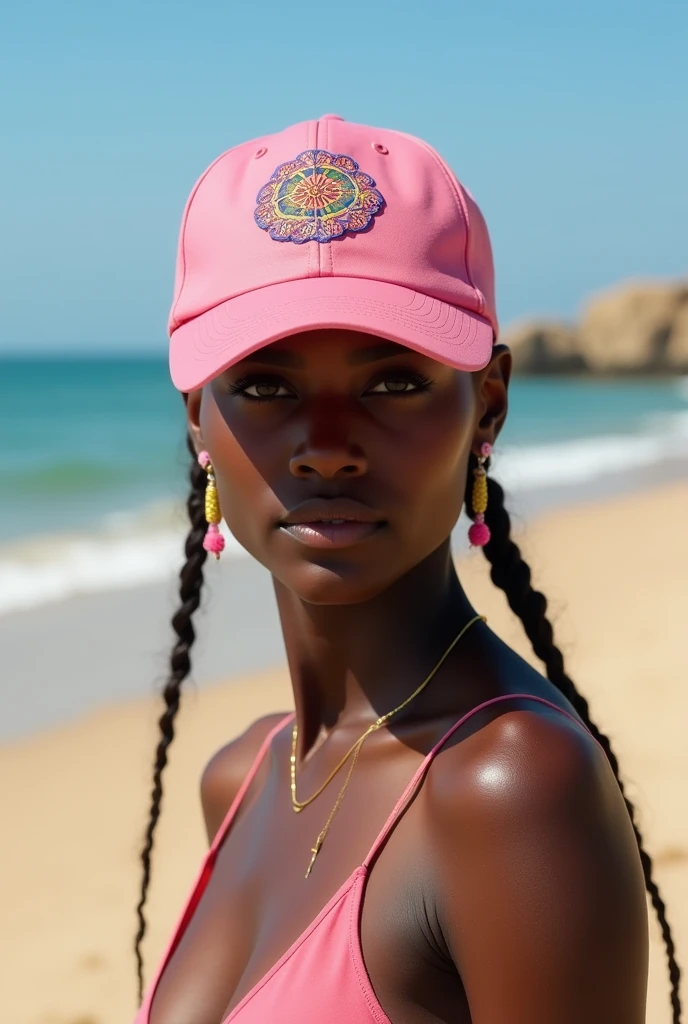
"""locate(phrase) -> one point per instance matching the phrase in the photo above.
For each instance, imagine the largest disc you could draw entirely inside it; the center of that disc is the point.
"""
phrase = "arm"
(227, 769)
(541, 894)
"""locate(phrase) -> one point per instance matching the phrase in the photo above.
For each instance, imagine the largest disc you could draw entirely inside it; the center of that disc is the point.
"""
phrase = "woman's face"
(331, 425)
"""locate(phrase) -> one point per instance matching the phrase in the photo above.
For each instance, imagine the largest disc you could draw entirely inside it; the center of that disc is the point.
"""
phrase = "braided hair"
(190, 583)
(512, 574)
(509, 572)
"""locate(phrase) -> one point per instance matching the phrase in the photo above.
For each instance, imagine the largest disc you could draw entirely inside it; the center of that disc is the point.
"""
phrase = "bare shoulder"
(227, 769)
(514, 757)
(529, 767)
(538, 870)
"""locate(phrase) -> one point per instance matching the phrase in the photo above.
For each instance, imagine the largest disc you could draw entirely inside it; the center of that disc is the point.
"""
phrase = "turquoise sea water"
(93, 443)
(83, 437)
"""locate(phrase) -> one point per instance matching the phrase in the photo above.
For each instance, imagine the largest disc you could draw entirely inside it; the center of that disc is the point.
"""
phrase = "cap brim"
(205, 346)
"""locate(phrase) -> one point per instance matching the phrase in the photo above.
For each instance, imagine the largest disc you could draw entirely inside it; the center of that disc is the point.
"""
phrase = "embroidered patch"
(317, 197)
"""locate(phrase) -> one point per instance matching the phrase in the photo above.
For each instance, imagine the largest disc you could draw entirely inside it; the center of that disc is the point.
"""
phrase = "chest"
(256, 907)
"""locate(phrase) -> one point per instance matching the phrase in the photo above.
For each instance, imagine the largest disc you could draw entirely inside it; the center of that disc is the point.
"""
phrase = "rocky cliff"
(636, 328)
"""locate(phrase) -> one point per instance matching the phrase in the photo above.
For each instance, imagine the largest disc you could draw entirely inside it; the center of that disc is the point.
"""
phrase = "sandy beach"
(75, 796)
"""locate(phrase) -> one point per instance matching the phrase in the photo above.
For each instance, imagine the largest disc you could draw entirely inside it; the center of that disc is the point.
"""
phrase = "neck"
(353, 663)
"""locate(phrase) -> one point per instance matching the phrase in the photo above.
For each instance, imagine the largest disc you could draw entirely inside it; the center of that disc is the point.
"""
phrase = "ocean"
(93, 463)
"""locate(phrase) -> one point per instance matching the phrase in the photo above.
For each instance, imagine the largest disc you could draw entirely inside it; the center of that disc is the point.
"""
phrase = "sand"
(74, 797)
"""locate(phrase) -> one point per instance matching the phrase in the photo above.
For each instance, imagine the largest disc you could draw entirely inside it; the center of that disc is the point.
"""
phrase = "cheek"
(240, 486)
(430, 464)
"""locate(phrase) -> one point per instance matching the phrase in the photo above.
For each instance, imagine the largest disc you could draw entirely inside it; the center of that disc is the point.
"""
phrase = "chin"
(337, 583)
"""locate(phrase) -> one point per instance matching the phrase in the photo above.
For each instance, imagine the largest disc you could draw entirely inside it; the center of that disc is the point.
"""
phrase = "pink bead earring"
(213, 541)
(479, 533)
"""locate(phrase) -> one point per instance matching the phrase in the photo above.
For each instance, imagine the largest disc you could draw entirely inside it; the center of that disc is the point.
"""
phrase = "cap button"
(332, 117)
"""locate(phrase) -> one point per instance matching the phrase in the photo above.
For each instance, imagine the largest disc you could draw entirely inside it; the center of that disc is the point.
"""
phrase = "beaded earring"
(479, 533)
(213, 540)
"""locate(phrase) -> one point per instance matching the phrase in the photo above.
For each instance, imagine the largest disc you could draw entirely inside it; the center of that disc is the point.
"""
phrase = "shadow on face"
(335, 421)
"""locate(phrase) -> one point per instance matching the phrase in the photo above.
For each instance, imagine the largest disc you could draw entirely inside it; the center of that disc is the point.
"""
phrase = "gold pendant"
(315, 850)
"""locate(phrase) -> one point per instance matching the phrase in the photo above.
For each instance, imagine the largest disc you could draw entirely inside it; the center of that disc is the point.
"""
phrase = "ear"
(192, 400)
(492, 399)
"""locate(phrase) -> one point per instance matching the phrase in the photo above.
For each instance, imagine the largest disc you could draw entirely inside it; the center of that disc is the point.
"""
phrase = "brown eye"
(259, 390)
(408, 384)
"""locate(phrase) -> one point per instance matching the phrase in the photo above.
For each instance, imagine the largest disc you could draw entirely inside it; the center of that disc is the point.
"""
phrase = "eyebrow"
(270, 356)
(381, 350)
(276, 357)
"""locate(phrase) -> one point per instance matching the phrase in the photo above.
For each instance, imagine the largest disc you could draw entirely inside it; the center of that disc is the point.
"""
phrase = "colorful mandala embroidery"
(317, 197)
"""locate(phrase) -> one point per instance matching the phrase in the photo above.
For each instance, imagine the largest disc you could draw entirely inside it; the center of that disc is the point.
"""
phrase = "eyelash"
(419, 380)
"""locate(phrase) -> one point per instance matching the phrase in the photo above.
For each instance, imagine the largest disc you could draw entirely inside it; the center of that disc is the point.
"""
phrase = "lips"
(325, 510)
(332, 523)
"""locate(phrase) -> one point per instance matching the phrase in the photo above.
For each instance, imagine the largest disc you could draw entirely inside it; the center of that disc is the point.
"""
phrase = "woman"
(438, 834)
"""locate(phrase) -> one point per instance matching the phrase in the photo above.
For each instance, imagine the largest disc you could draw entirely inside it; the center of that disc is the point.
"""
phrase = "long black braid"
(190, 583)
(509, 572)
(512, 575)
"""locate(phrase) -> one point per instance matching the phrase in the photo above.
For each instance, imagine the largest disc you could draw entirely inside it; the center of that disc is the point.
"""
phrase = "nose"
(326, 451)
(327, 463)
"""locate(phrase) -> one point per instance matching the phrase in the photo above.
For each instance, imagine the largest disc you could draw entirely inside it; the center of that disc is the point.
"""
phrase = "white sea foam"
(147, 545)
(45, 569)
(576, 462)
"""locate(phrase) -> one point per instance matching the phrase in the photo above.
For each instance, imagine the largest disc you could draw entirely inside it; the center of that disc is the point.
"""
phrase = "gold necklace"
(298, 805)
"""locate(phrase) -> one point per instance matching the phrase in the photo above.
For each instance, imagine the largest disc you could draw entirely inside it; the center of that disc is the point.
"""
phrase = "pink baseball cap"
(330, 224)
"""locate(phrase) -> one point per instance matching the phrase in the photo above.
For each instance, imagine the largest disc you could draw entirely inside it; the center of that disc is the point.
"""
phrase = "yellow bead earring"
(213, 541)
(479, 533)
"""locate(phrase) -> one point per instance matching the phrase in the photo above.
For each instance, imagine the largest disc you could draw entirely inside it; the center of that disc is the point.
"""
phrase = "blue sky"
(567, 122)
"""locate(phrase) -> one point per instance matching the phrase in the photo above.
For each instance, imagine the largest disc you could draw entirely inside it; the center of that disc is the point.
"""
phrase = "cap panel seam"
(318, 247)
(457, 192)
(182, 245)
(312, 143)
(464, 206)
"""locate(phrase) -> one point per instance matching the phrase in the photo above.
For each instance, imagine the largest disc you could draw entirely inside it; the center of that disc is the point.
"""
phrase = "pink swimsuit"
(321, 977)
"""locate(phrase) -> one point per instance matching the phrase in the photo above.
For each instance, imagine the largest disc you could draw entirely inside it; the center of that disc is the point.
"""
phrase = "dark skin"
(511, 890)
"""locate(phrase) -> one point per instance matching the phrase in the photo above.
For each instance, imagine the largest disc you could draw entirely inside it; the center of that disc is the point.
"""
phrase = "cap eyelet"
(260, 152)
(379, 148)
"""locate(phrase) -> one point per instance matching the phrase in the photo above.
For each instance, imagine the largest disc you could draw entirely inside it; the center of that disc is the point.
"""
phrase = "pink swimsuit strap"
(252, 772)
(422, 769)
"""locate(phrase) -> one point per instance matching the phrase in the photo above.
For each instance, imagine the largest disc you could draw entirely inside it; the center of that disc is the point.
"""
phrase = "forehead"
(354, 347)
